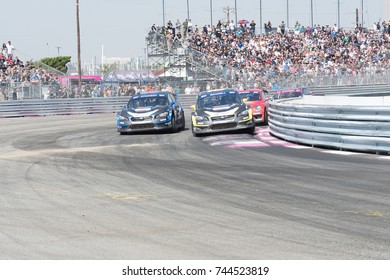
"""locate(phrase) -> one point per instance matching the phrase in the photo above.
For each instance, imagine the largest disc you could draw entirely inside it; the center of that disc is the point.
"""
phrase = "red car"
(291, 93)
(258, 100)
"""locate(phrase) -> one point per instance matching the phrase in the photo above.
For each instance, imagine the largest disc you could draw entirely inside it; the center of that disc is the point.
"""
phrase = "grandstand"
(228, 55)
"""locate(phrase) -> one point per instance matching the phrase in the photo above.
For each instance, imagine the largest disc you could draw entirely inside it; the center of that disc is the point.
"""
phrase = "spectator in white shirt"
(10, 50)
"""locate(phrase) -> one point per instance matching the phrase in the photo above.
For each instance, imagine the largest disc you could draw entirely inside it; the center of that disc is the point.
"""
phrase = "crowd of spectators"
(265, 60)
(242, 57)
(18, 75)
(249, 59)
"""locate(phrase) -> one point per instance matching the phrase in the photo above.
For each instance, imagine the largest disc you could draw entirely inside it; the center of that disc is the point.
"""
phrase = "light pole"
(311, 13)
(362, 14)
(261, 20)
(211, 13)
(163, 3)
(188, 10)
(235, 10)
(78, 42)
(288, 19)
(338, 13)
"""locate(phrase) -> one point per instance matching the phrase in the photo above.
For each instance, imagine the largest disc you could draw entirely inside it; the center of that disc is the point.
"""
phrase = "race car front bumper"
(143, 126)
(220, 126)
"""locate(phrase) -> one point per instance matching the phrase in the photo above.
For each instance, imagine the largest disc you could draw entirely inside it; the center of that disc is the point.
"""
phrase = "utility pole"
(78, 42)
(58, 51)
(227, 11)
(357, 17)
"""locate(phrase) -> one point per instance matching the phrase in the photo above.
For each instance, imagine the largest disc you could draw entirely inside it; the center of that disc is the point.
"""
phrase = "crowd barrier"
(47, 107)
(69, 106)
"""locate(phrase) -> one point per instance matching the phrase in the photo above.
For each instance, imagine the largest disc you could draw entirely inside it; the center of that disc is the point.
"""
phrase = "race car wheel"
(173, 123)
(251, 130)
(193, 132)
(265, 116)
(122, 133)
(184, 122)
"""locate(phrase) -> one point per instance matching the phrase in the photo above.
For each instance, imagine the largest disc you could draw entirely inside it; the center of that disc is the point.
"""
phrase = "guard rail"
(329, 122)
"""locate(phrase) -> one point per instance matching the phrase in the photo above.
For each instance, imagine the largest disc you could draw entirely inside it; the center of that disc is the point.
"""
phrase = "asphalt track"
(72, 188)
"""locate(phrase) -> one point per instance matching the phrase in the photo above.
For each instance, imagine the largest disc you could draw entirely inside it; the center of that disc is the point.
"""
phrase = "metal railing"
(345, 127)
(70, 106)
(29, 90)
(23, 90)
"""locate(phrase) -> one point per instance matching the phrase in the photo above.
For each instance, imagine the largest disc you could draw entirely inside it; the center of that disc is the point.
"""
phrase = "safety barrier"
(328, 122)
(69, 106)
(313, 120)
(47, 107)
(29, 107)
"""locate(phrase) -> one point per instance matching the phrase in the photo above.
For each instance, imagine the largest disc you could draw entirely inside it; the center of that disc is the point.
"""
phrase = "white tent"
(175, 72)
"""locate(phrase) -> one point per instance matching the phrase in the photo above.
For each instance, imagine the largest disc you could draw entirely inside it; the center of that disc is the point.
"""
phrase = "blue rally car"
(151, 111)
(220, 111)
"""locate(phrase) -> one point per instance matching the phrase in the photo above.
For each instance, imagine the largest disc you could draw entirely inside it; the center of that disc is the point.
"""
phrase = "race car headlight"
(243, 114)
(201, 119)
(122, 118)
(162, 115)
(257, 108)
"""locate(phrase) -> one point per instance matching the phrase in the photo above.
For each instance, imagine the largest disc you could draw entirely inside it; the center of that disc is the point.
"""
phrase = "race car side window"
(296, 94)
(306, 91)
(170, 98)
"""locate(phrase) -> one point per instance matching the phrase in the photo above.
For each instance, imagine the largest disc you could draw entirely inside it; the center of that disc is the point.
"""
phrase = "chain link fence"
(20, 91)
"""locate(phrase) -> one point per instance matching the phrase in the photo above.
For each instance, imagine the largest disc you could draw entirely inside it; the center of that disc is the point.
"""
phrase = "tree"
(58, 63)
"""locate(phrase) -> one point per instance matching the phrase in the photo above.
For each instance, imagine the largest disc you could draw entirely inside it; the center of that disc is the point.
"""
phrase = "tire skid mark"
(260, 139)
(21, 153)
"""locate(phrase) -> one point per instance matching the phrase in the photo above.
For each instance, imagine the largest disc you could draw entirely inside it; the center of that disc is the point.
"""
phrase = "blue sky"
(46, 28)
